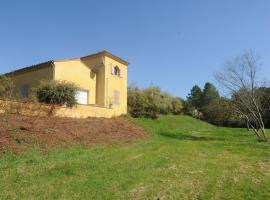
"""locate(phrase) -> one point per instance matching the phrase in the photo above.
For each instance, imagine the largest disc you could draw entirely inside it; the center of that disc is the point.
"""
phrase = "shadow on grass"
(182, 136)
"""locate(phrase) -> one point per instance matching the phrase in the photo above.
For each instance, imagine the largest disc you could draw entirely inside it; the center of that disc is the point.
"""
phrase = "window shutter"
(116, 97)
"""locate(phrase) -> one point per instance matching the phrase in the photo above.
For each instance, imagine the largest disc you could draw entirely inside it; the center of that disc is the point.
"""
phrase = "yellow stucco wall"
(32, 78)
(84, 111)
(101, 98)
(79, 73)
(97, 63)
(114, 82)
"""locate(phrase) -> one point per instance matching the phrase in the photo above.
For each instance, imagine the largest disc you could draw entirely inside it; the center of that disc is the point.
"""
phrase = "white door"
(82, 97)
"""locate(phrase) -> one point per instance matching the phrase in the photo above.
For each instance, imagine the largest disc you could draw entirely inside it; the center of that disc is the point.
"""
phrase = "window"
(116, 99)
(116, 71)
(24, 91)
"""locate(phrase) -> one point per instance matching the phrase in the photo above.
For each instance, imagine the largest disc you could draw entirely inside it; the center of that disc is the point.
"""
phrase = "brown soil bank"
(19, 132)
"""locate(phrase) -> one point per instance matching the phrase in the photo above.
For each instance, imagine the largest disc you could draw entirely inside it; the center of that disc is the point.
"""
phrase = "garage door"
(82, 97)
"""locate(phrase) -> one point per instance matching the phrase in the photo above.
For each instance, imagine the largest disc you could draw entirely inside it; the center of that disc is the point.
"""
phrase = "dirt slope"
(20, 132)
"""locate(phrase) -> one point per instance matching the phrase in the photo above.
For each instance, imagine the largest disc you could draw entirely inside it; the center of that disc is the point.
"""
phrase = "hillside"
(19, 133)
(184, 158)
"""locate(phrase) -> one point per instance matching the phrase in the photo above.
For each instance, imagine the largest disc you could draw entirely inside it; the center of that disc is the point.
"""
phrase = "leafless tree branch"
(239, 77)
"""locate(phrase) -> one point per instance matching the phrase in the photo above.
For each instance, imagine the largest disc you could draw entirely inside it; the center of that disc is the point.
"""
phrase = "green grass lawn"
(184, 159)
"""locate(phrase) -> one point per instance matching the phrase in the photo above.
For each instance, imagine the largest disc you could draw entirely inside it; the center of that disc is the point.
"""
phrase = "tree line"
(246, 103)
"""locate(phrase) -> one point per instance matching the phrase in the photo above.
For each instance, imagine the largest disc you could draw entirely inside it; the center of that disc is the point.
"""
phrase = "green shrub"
(151, 102)
(189, 109)
(6, 87)
(154, 102)
(57, 92)
(165, 103)
(176, 106)
(221, 112)
(137, 102)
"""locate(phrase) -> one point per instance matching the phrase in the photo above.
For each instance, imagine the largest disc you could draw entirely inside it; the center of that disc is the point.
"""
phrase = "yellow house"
(101, 79)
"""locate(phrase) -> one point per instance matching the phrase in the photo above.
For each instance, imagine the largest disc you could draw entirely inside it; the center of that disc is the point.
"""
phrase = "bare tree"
(239, 77)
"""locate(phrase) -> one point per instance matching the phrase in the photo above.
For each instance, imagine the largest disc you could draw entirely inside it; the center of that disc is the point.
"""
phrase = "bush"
(165, 103)
(221, 112)
(189, 109)
(6, 87)
(151, 102)
(57, 92)
(176, 106)
(154, 104)
(137, 102)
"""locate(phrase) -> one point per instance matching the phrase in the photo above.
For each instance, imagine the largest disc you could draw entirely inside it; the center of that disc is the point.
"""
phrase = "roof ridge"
(100, 53)
(25, 69)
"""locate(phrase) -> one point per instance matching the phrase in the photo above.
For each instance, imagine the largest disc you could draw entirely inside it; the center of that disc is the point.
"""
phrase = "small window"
(24, 91)
(116, 71)
(116, 97)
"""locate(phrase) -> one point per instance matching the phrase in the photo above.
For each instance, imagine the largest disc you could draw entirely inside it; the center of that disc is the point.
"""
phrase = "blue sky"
(171, 44)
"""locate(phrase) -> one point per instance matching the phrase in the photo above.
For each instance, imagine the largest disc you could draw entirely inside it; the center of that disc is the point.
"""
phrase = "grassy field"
(184, 159)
